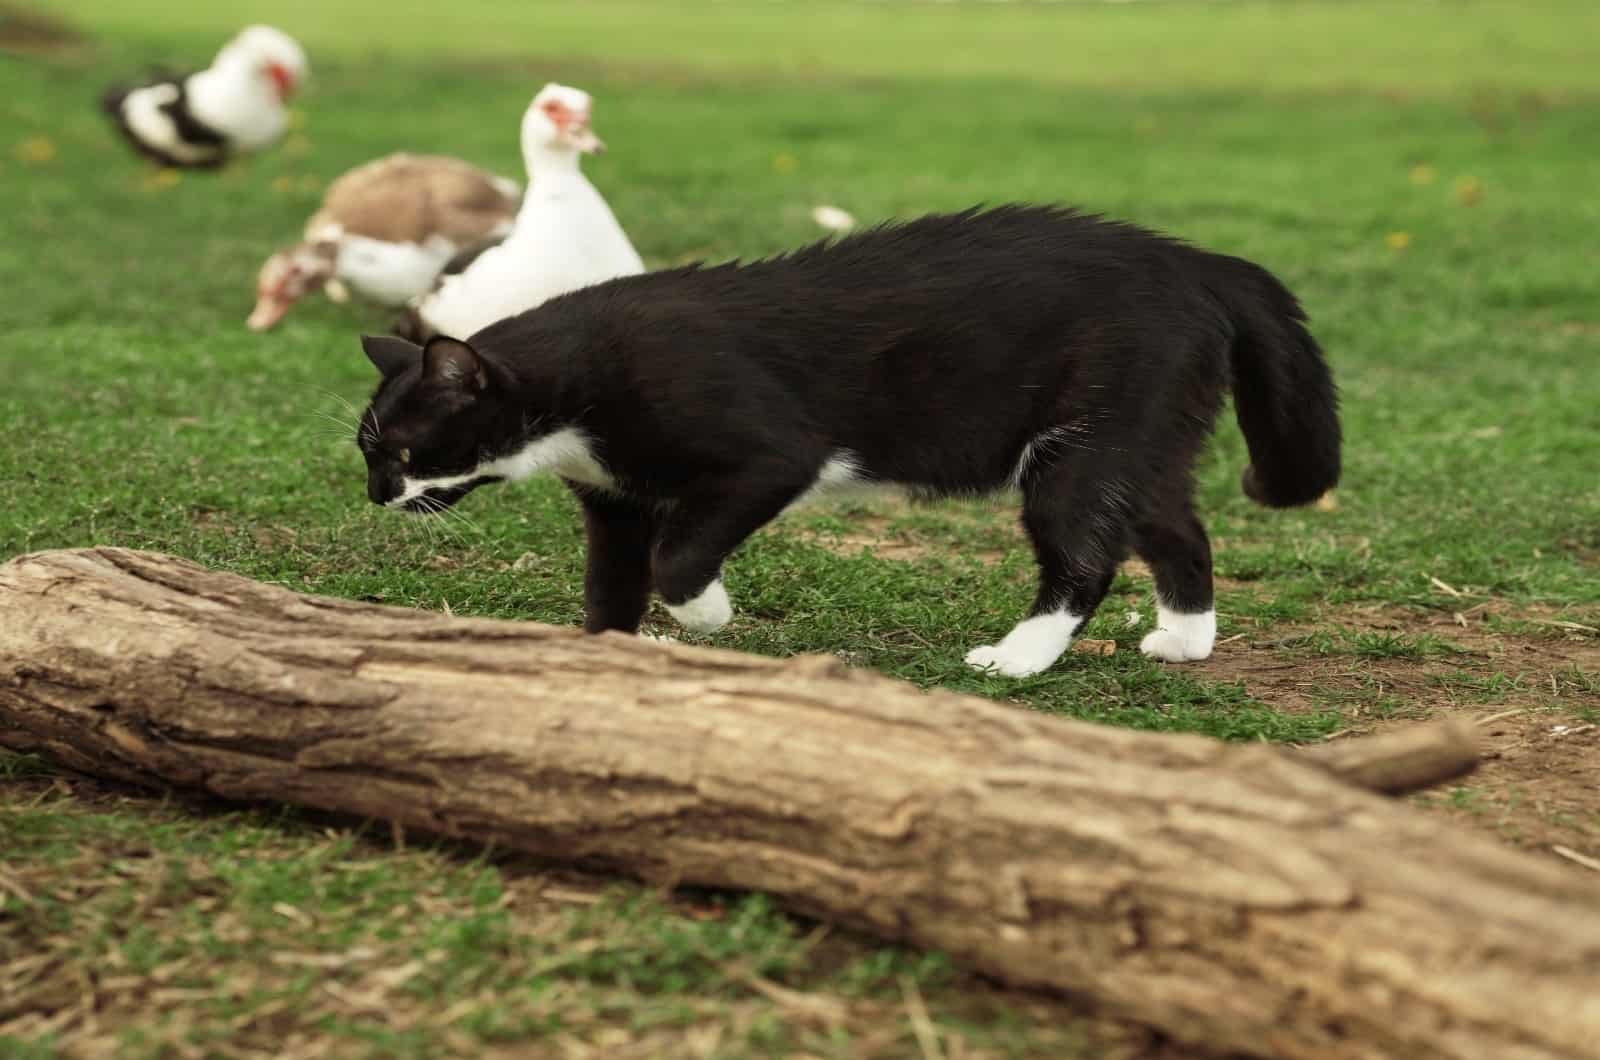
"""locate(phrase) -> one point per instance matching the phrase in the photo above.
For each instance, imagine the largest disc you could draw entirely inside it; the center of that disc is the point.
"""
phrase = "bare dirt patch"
(872, 533)
(882, 532)
(1463, 660)
(1489, 675)
(1538, 786)
(881, 529)
(266, 537)
(1535, 697)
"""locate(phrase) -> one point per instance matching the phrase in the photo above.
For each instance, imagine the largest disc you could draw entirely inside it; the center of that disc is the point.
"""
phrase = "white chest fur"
(565, 452)
(568, 453)
(840, 479)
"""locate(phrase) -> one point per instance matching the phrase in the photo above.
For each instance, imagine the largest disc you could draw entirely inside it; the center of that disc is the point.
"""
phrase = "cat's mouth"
(438, 499)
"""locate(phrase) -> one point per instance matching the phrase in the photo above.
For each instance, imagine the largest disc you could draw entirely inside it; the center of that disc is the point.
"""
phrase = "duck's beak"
(584, 139)
(269, 309)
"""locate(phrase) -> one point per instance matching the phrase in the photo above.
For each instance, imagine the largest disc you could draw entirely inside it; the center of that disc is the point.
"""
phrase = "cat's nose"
(381, 489)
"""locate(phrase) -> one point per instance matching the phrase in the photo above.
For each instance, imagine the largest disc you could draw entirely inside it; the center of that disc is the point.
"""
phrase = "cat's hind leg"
(1077, 519)
(1172, 541)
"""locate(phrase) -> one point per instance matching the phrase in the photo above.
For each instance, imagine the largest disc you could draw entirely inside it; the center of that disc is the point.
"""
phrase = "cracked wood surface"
(1242, 898)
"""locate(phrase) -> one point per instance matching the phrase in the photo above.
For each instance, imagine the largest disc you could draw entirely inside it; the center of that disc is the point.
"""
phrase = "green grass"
(256, 930)
(1369, 44)
(1421, 174)
(140, 412)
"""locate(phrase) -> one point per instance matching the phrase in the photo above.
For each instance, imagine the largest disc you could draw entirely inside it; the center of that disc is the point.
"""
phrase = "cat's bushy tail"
(1283, 393)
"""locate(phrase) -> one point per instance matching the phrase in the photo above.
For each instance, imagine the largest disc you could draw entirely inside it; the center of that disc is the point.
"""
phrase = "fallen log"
(1411, 759)
(1241, 898)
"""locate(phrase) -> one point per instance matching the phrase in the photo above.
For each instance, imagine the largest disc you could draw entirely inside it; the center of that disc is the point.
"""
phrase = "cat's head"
(436, 425)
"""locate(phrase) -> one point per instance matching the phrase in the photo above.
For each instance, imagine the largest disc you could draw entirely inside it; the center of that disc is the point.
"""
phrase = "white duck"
(386, 229)
(236, 104)
(565, 236)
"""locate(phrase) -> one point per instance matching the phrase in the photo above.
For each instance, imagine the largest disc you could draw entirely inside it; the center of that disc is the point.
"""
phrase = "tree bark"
(1242, 898)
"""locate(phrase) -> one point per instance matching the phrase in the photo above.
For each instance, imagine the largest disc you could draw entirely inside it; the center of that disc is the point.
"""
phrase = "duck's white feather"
(564, 237)
(236, 97)
(239, 105)
(391, 273)
(142, 112)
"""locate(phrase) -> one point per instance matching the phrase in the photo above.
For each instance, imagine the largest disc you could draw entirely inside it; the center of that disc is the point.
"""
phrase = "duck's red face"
(286, 277)
(282, 79)
(572, 126)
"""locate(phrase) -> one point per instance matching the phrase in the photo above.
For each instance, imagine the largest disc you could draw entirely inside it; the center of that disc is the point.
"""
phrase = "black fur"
(935, 353)
(189, 129)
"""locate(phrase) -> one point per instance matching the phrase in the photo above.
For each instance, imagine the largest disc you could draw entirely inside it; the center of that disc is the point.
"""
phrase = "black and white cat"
(1077, 360)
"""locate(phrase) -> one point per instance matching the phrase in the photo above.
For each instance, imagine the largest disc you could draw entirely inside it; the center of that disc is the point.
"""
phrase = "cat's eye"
(405, 456)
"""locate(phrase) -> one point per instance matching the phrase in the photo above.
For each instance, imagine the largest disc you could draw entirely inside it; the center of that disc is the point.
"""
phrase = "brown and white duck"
(386, 230)
(237, 104)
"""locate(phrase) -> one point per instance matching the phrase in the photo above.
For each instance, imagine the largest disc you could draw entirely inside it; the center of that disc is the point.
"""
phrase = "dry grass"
(141, 928)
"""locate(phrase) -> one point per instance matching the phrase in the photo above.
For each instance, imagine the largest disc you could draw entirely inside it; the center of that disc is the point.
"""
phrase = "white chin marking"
(707, 612)
(566, 452)
(410, 491)
(1030, 648)
(1179, 637)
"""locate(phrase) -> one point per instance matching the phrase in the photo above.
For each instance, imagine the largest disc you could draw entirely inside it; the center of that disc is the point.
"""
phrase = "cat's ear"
(389, 355)
(454, 364)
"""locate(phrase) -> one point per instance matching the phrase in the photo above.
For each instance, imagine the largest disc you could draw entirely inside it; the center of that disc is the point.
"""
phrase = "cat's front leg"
(616, 581)
(705, 612)
(701, 532)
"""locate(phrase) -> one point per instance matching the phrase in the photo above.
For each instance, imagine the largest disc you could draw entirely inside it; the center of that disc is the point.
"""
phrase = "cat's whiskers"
(336, 426)
(430, 530)
(463, 520)
(438, 515)
(348, 422)
(335, 419)
(354, 413)
(425, 518)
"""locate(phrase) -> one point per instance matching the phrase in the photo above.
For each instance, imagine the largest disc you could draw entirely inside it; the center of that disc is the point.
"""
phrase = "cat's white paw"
(706, 613)
(1181, 638)
(659, 638)
(1165, 645)
(993, 658)
(1030, 648)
